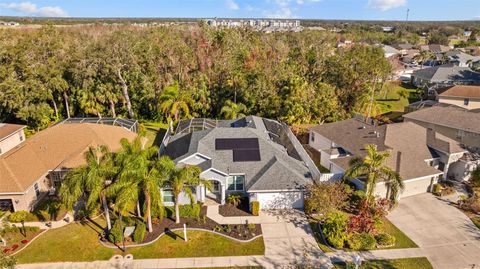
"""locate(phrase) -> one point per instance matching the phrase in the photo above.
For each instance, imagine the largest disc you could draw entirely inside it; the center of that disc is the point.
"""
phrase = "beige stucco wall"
(472, 104)
(11, 141)
(27, 200)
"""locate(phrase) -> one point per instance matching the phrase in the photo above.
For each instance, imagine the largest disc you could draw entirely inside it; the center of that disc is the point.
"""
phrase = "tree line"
(163, 73)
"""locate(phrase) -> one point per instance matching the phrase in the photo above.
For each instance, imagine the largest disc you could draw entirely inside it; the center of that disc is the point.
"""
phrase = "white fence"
(330, 177)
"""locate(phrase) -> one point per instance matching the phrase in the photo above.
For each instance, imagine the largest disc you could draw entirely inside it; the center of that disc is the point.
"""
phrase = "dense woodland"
(162, 73)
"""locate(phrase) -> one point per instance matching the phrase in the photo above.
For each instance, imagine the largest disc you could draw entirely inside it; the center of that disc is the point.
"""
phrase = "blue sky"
(303, 9)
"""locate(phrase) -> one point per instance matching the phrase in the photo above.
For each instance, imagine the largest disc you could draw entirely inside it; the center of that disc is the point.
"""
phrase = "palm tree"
(183, 180)
(172, 103)
(374, 168)
(233, 110)
(140, 176)
(90, 181)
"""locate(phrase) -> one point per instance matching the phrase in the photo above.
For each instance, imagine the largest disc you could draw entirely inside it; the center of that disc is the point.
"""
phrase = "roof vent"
(378, 135)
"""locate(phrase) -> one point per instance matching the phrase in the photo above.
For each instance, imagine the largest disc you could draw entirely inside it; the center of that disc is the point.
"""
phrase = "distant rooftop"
(7, 129)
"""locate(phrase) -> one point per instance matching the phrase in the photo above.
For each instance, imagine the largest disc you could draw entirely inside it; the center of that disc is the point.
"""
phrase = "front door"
(215, 192)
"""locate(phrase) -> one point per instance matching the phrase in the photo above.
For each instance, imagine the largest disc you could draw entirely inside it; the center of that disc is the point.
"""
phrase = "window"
(37, 189)
(216, 186)
(235, 183)
(466, 101)
(20, 136)
(167, 196)
(312, 136)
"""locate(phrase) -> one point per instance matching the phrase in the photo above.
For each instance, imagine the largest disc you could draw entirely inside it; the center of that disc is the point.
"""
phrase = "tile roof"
(449, 116)
(462, 91)
(58, 147)
(7, 129)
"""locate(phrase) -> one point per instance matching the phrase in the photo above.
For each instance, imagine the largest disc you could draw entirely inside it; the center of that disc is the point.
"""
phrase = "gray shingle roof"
(446, 73)
(279, 167)
(406, 142)
(450, 116)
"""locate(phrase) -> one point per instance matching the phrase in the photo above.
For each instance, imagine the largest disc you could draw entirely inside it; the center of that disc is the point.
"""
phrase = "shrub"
(186, 211)
(472, 204)
(255, 207)
(19, 216)
(437, 189)
(115, 234)
(326, 197)
(361, 241)
(385, 240)
(335, 229)
(235, 199)
(227, 228)
(14, 229)
(475, 178)
(139, 233)
(24, 241)
(251, 226)
(217, 228)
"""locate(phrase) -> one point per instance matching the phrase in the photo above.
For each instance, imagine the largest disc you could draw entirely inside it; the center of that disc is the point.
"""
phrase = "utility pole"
(408, 11)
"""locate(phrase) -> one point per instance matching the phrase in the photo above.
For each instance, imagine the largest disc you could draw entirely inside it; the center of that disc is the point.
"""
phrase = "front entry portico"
(217, 192)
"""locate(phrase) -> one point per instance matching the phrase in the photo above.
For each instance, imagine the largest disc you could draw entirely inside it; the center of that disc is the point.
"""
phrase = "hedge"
(363, 241)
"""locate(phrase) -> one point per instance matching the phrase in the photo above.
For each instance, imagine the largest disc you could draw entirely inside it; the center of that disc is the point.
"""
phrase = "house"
(35, 167)
(256, 157)
(454, 122)
(435, 48)
(461, 59)
(464, 96)
(390, 51)
(419, 155)
(10, 136)
(444, 75)
(472, 50)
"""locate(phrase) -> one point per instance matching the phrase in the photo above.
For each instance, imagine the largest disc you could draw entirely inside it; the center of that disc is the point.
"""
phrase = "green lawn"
(402, 240)
(155, 131)
(410, 263)
(392, 102)
(79, 242)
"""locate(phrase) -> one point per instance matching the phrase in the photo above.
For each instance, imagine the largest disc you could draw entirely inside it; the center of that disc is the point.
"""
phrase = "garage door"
(416, 187)
(280, 200)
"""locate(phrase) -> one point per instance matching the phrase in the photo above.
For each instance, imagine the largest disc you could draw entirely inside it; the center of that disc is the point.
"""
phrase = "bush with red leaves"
(24, 241)
(6, 250)
(14, 247)
(368, 215)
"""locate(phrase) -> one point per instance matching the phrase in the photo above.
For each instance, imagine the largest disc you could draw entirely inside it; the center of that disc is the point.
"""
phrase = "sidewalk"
(212, 213)
(384, 254)
(54, 224)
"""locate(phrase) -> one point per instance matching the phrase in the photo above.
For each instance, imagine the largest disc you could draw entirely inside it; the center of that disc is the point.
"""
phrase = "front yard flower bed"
(167, 224)
(240, 210)
(17, 237)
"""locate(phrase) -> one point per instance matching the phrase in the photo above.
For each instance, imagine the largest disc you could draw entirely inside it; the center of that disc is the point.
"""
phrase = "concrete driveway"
(445, 235)
(289, 238)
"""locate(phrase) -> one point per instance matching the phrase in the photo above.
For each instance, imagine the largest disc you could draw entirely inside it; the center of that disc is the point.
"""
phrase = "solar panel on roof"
(236, 143)
(246, 155)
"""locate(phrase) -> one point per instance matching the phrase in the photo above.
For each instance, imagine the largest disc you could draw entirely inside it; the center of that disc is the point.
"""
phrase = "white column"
(222, 187)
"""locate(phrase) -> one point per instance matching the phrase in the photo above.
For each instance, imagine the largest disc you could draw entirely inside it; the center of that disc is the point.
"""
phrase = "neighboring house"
(472, 50)
(390, 51)
(461, 59)
(454, 122)
(464, 96)
(10, 136)
(435, 48)
(419, 155)
(444, 75)
(256, 157)
(36, 166)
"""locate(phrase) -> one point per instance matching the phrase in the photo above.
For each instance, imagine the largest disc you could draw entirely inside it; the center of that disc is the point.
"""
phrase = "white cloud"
(29, 8)
(385, 5)
(280, 13)
(232, 5)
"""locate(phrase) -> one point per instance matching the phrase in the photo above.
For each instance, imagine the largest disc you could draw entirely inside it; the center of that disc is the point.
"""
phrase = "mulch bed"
(229, 210)
(238, 231)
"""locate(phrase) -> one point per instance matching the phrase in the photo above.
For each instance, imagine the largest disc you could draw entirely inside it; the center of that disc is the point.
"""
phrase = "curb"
(179, 229)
